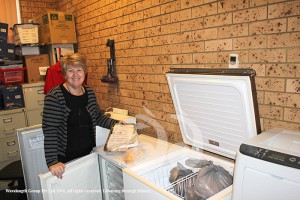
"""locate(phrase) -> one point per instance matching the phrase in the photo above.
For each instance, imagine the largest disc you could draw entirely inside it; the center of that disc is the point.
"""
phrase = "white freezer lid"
(216, 112)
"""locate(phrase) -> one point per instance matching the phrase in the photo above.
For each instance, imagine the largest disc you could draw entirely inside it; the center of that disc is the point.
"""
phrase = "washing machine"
(268, 167)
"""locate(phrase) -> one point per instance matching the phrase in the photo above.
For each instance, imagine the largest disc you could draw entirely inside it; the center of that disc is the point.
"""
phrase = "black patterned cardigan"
(54, 123)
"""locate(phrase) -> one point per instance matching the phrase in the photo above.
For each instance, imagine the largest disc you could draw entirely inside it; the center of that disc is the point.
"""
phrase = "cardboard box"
(33, 63)
(11, 97)
(26, 33)
(56, 27)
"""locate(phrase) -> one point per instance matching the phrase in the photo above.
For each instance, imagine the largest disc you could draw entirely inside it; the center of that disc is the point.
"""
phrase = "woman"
(70, 115)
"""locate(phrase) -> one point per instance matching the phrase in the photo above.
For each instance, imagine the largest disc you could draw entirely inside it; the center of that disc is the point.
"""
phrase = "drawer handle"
(7, 120)
(41, 91)
(11, 143)
(9, 131)
(12, 153)
(41, 102)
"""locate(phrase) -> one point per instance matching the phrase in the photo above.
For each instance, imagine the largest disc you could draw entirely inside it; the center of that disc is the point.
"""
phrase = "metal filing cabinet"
(10, 120)
(34, 102)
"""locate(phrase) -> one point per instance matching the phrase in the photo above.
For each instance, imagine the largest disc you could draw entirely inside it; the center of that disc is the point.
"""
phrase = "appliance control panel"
(271, 156)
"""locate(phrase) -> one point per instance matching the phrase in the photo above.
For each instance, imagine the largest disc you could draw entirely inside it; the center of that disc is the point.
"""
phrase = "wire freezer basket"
(160, 177)
(180, 186)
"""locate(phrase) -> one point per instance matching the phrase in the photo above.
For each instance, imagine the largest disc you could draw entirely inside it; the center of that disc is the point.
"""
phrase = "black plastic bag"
(210, 180)
(196, 163)
(176, 174)
(179, 172)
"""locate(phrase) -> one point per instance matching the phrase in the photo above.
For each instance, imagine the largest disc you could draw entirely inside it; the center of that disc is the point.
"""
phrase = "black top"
(55, 122)
(80, 129)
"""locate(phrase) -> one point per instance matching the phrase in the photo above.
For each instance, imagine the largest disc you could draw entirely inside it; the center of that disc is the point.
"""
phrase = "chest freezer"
(31, 144)
(98, 175)
(217, 111)
(268, 167)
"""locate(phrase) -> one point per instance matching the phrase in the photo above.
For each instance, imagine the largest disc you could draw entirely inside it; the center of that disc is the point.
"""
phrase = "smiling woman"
(70, 115)
(10, 14)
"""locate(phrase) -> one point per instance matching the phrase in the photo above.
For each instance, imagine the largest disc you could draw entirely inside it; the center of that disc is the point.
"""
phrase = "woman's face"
(75, 76)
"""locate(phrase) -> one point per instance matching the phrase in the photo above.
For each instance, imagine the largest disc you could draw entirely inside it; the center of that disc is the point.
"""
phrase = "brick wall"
(153, 35)
(31, 8)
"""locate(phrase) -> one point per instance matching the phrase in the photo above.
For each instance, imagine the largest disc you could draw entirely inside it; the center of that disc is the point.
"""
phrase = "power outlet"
(233, 61)
(120, 111)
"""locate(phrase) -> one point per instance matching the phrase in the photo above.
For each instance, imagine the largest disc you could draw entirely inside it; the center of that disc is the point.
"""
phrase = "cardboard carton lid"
(216, 108)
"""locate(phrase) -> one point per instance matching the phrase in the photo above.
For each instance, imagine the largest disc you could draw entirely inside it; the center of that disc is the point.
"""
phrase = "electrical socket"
(120, 111)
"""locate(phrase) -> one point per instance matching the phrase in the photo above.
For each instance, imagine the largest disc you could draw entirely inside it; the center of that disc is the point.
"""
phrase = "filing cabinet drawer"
(9, 148)
(9, 122)
(34, 117)
(34, 97)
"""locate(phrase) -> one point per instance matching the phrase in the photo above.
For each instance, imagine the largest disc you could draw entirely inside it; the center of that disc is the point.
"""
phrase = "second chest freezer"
(98, 175)
(217, 111)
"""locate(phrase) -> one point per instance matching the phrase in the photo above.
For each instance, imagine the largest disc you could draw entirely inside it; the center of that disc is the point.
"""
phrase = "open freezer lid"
(216, 108)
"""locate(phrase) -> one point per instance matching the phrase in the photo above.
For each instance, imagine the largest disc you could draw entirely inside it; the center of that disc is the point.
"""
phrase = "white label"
(43, 70)
(36, 142)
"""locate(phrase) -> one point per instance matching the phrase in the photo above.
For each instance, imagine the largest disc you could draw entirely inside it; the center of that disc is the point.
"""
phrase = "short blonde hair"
(72, 60)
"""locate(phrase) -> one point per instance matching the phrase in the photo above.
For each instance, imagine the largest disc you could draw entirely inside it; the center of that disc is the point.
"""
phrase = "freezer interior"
(111, 164)
(156, 173)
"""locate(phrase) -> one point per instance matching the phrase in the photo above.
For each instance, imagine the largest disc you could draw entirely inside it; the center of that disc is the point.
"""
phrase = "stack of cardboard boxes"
(11, 73)
(37, 46)
(26, 38)
(56, 37)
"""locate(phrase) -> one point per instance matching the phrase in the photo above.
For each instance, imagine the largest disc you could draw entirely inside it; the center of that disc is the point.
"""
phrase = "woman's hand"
(122, 122)
(57, 170)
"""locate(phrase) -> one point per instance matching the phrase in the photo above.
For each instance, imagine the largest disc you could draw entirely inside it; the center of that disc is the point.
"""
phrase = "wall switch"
(120, 111)
(233, 60)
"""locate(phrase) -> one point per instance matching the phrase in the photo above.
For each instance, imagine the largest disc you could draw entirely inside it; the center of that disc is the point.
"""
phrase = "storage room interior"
(152, 36)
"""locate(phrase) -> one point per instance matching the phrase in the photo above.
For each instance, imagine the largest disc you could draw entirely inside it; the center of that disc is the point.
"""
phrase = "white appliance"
(111, 164)
(95, 169)
(268, 167)
(31, 144)
(217, 111)
(102, 171)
